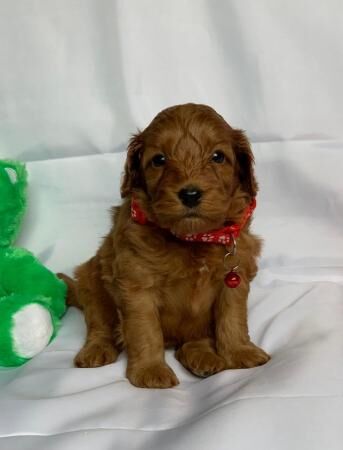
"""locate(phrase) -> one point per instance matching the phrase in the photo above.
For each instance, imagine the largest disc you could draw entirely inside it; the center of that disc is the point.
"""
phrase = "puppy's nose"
(190, 196)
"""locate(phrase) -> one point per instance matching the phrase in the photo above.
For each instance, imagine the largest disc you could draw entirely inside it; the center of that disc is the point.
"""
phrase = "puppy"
(162, 276)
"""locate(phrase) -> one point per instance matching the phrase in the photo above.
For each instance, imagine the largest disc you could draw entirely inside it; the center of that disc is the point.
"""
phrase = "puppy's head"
(193, 171)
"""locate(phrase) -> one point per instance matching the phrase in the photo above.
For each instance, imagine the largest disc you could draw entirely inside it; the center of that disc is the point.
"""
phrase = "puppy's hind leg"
(101, 317)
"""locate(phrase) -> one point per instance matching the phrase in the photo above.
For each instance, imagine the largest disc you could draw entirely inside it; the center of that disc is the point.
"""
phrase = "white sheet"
(76, 78)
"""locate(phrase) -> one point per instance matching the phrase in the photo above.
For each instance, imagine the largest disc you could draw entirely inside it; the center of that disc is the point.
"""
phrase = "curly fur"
(145, 290)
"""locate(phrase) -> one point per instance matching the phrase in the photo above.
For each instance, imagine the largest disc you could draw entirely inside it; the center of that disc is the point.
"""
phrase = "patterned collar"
(222, 235)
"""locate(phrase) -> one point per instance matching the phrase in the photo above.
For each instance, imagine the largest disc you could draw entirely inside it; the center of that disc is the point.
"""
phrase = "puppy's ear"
(245, 159)
(132, 177)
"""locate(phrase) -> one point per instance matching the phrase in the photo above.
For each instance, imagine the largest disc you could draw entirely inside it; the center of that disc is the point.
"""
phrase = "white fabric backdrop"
(76, 78)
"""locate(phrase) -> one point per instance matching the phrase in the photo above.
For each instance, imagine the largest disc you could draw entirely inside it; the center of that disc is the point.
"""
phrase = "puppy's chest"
(194, 286)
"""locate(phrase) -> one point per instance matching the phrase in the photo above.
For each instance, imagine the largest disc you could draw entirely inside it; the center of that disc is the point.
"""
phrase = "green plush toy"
(32, 299)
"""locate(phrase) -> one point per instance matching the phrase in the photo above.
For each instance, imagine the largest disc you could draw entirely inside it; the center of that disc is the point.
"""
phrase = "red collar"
(221, 236)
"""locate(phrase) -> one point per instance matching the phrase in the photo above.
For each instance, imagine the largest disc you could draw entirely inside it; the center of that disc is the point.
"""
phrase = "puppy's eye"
(218, 157)
(158, 160)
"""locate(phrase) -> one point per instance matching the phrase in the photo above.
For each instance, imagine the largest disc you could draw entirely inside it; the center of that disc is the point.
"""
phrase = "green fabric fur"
(12, 199)
(22, 273)
(23, 278)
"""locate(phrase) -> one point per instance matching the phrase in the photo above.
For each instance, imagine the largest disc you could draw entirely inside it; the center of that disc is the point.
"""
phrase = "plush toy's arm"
(22, 273)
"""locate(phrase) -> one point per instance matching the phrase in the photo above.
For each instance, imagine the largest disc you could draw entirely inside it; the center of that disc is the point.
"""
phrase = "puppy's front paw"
(159, 376)
(201, 363)
(246, 356)
(96, 353)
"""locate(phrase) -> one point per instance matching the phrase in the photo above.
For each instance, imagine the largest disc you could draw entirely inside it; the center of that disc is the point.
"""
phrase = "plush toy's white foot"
(32, 330)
